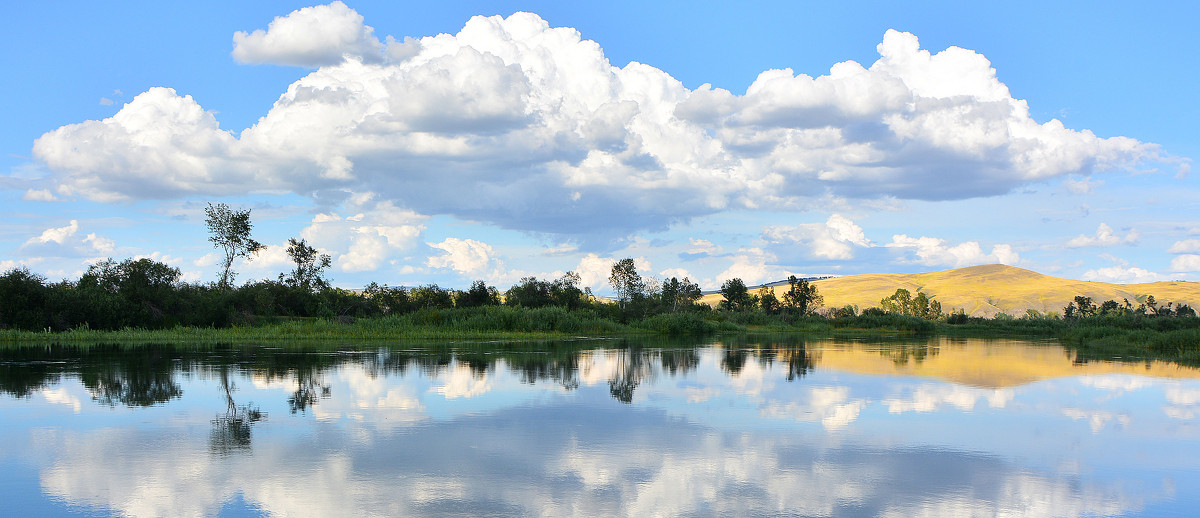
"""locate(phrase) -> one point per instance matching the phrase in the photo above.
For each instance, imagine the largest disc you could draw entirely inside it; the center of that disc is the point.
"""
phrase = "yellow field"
(990, 289)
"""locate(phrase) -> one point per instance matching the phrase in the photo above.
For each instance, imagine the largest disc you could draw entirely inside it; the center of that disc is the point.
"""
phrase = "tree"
(230, 231)
(480, 294)
(676, 293)
(529, 292)
(802, 296)
(626, 281)
(565, 291)
(903, 303)
(768, 300)
(309, 266)
(737, 297)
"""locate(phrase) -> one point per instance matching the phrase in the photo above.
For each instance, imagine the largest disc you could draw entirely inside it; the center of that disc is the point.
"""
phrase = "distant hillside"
(991, 289)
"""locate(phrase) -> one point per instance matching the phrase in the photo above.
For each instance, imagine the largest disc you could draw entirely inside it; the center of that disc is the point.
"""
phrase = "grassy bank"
(1172, 339)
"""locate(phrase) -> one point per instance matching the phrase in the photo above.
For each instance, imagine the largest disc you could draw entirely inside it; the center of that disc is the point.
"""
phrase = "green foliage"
(676, 295)
(24, 299)
(802, 296)
(431, 296)
(480, 294)
(767, 300)
(310, 266)
(626, 282)
(737, 297)
(903, 303)
(230, 232)
(531, 292)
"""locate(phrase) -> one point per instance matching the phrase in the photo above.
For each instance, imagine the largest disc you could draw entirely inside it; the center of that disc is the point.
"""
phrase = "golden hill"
(990, 289)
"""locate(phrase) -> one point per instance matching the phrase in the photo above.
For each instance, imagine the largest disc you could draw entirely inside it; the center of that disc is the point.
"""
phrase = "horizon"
(447, 144)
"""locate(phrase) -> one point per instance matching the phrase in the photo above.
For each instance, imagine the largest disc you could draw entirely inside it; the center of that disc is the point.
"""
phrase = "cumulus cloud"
(39, 195)
(55, 235)
(529, 127)
(310, 37)
(1105, 236)
(465, 256)
(66, 242)
(159, 145)
(1186, 246)
(594, 270)
(1122, 274)
(367, 240)
(702, 247)
(931, 251)
(753, 266)
(829, 240)
(1186, 263)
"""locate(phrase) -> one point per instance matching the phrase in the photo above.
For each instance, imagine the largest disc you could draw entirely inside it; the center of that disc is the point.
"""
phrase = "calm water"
(935, 428)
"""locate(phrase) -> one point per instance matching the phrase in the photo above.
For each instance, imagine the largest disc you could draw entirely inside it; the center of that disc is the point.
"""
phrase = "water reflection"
(739, 427)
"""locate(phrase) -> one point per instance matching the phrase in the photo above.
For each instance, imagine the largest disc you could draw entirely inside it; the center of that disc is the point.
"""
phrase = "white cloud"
(1186, 246)
(702, 247)
(157, 145)
(1082, 185)
(1122, 274)
(368, 239)
(39, 195)
(1105, 236)
(1186, 263)
(310, 37)
(530, 127)
(932, 251)
(753, 266)
(100, 244)
(678, 273)
(829, 240)
(594, 270)
(465, 256)
(56, 235)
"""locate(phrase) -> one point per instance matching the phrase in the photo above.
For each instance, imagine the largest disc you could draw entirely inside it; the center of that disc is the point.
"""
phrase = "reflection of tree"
(679, 361)
(633, 367)
(131, 379)
(799, 363)
(733, 359)
(231, 432)
(563, 370)
(901, 354)
(309, 388)
(26, 370)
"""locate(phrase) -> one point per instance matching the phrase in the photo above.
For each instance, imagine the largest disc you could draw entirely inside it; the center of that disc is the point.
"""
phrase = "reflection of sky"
(704, 442)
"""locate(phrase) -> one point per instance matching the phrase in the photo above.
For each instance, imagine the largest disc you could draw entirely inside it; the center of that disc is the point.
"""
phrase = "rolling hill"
(990, 289)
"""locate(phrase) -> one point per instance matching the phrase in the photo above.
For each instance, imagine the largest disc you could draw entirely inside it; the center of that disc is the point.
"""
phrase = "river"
(740, 426)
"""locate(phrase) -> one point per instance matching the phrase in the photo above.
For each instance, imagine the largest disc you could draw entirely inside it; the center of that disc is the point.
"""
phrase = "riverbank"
(1172, 339)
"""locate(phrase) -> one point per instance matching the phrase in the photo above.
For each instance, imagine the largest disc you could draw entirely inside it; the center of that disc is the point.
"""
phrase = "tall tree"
(737, 296)
(625, 280)
(801, 296)
(309, 265)
(230, 232)
(676, 293)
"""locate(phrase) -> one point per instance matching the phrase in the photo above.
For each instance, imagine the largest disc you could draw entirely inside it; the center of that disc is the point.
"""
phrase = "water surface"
(734, 427)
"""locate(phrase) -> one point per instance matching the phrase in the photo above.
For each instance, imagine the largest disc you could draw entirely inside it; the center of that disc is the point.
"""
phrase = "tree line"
(143, 293)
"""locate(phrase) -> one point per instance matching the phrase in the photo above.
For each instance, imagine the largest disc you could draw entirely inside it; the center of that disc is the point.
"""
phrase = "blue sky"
(423, 143)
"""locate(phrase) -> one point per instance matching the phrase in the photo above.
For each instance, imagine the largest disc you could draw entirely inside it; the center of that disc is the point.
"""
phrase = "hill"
(990, 289)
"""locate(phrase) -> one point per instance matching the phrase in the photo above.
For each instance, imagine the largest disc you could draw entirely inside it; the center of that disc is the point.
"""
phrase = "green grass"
(1171, 339)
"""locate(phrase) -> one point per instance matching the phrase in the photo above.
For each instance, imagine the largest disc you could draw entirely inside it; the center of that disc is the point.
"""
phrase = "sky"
(428, 143)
